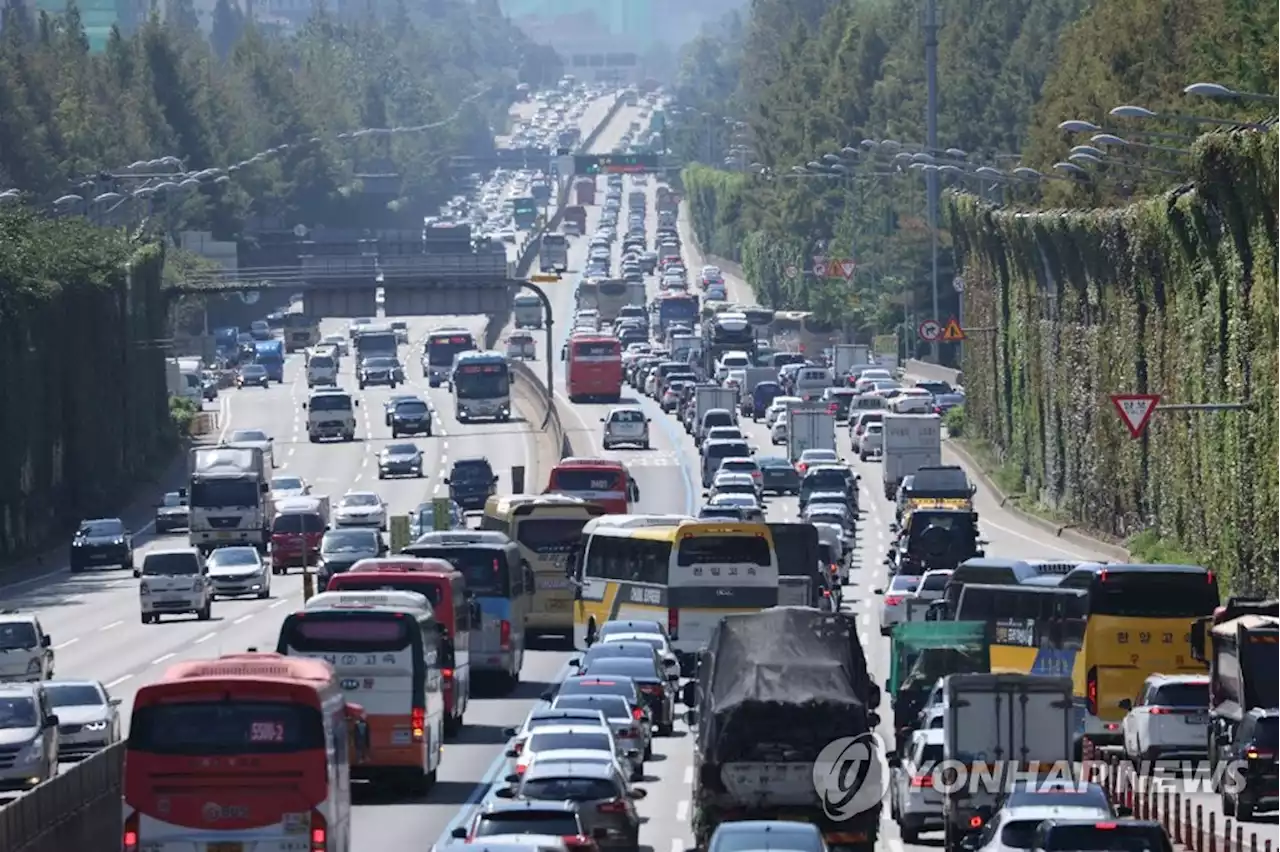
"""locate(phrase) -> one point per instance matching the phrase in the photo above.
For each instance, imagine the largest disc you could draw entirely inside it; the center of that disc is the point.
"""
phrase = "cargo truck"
(773, 689)
(229, 491)
(911, 441)
(1003, 727)
(574, 221)
(584, 192)
(809, 429)
(752, 377)
(707, 398)
(846, 356)
(1240, 642)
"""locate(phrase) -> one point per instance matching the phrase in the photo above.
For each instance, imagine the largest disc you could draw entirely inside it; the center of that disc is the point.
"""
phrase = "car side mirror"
(304, 406)
(893, 526)
(1124, 811)
(547, 696)
(446, 481)
(1125, 704)
(893, 760)
(512, 753)
(356, 403)
(691, 718)
(673, 677)
(51, 721)
(45, 641)
(509, 732)
(689, 695)
(505, 793)
(633, 754)
(137, 573)
(637, 793)
(877, 591)
(494, 481)
(459, 833)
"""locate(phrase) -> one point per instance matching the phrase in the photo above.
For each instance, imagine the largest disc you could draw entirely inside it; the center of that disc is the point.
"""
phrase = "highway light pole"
(930, 27)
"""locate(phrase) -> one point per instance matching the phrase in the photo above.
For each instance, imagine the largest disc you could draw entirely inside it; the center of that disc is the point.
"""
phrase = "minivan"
(174, 582)
(714, 452)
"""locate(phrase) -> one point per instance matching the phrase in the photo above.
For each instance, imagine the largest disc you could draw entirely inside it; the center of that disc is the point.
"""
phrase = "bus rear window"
(225, 727)
(586, 480)
(355, 583)
(1151, 594)
(297, 522)
(550, 535)
(341, 631)
(596, 350)
(723, 549)
(484, 569)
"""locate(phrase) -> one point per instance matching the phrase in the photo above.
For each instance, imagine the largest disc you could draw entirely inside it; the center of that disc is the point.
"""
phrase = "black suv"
(471, 482)
(1254, 746)
(101, 542)
(933, 539)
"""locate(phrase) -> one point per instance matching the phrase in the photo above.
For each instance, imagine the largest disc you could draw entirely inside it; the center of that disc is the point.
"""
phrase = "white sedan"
(893, 608)
(360, 509)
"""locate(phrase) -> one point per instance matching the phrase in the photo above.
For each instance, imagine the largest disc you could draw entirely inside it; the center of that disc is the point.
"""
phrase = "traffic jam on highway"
(755, 609)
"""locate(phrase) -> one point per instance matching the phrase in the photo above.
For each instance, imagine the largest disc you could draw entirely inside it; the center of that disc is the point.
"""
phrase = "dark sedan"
(400, 460)
(410, 417)
(172, 513)
(778, 475)
(102, 541)
(656, 686)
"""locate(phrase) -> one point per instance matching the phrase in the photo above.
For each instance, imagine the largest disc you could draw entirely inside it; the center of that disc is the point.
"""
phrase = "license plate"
(1196, 719)
(227, 846)
(225, 536)
(401, 738)
(557, 606)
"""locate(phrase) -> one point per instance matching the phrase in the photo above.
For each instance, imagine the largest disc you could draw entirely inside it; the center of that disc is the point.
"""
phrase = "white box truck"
(846, 356)
(911, 441)
(707, 398)
(229, 495)
(809, 428)
(1000, 728)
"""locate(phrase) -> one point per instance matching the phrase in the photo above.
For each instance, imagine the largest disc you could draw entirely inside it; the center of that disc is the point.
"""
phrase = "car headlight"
(195, 586)
(100, 725)
(35, 666)
(144, 589)
(33, 752)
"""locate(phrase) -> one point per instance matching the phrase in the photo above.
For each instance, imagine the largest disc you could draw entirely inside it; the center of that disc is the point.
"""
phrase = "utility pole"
(929, 25)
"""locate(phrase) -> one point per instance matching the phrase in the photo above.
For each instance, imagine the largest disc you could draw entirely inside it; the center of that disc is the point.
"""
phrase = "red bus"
(593, 371)
(385, 648)
(246, 751)
(604, 482)
(446, 589)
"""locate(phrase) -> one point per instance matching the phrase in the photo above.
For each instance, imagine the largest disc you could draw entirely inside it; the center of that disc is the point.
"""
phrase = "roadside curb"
(1066, 532)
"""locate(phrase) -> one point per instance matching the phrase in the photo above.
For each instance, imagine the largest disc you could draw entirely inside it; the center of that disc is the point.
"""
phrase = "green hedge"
(716, 200)
(83, 407)
(1176, 296)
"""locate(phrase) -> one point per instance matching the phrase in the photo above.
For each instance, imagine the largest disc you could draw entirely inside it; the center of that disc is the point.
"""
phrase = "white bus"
(553, 253)
(482, 387)
(384, 647)
(678, 571)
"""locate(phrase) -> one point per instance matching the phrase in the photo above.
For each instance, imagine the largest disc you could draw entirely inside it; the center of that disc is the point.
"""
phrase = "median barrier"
(1187, 825)
(932, 372)
(546, 409)
(79, 809)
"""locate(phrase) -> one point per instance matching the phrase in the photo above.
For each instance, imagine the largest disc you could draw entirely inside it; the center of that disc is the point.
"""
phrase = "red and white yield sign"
(1136, 410)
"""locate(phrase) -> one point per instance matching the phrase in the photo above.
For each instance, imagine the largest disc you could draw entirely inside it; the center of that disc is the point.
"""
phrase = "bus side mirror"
(356, 402)
(304, 406)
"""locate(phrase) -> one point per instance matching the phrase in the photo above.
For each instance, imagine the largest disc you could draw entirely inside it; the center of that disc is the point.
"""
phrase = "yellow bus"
(1032, 629)
(546, 528)
(1140, 619)
(681, 572)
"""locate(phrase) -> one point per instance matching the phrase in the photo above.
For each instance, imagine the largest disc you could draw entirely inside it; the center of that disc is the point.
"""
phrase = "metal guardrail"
(79, 809)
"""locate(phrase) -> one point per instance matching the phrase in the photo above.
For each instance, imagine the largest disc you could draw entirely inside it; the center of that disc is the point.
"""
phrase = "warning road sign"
(930, 330)
(1135, 410)
(953, 333)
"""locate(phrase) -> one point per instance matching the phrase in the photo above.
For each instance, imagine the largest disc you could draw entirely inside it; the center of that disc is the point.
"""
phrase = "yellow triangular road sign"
(953, 333)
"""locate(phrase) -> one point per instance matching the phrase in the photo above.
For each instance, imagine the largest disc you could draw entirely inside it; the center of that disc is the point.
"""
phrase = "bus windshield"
(549, 535)
(226, 727)
(485, 569)
(442, 348)
(482, 381)
(1152, 594)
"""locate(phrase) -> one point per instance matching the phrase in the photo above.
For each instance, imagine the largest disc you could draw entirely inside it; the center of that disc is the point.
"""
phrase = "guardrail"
(79, 809)
(1186, 824)
(933, 372)
(528, 378)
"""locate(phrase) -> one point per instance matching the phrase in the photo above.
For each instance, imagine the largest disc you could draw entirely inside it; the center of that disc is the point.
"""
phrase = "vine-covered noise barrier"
(1176, 296)
(84, 411)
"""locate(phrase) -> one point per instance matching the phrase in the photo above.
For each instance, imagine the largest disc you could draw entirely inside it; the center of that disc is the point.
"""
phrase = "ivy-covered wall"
(83, 404)
(1175, 296)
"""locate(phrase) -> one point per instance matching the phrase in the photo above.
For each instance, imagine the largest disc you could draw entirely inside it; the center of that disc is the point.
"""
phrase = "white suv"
(1169, 719)
(627, 426)
(175, 582)
(26, 652)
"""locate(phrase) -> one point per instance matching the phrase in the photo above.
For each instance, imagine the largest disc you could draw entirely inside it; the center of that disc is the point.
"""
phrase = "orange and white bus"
(593, 369)
(243, 752)
(605, 482)
(384, 647)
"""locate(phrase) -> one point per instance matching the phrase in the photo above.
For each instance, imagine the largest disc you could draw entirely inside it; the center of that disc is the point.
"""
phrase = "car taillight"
(577, 841)
(447, 674)
(504, 635)
(520, 768)
(833, 408)
(651, 689)
(319, 832)
(922, 781)
(617, 806)
(1256, 754)
(1159, 711)
(673, 624)
(418, 722)
(130, 836)
(835, 569)
(892, 600)
(976, 822)
(637, 713)
(1091, 687)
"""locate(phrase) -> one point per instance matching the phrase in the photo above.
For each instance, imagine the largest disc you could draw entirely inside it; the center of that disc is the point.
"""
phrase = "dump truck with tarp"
(920, 653)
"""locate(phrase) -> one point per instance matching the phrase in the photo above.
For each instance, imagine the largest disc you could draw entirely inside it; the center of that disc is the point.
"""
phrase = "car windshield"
(74, 695)
(17, 635)
(173, 500)
(594, 686)
(558, 740)
(380, 363)
(107, 527)
(225, 557)
(1058, 796)
(525, 821)
(470, 473)
(349, 541)
(253, 370)
(286, 483)
(401, 449)
(171, 565)
(360, 500)
(778, 837)
(411, 406)
(17, 713)
(247, 435)
(818, 456)
(570, 789)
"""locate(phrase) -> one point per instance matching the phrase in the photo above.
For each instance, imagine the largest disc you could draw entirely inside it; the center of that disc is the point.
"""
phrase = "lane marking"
(66, 644)
(160, 659)
(242, 619)
(688, 775)
(117, 681)
(112, 626)
(280, 602)
(205, 638)
(682, 810)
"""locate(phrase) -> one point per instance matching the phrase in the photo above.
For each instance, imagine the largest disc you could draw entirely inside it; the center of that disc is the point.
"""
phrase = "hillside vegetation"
(66, 113)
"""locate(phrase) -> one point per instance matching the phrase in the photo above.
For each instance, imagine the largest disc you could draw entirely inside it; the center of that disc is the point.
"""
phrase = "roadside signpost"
(930, 331)
(1136, 410)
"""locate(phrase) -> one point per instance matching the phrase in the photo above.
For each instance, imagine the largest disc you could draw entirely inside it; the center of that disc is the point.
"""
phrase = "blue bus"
(501, 582)
(270, 354)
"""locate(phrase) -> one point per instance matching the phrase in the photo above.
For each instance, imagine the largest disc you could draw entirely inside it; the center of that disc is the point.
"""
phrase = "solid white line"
(160, 659)
(65, 644)
(682, 810)
(242, 619)
(205, 638)
(118, 681)
(110, 626)
(677, 845)
(280, 602)
(688, 775)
